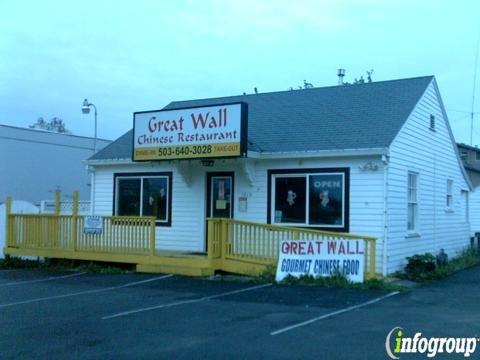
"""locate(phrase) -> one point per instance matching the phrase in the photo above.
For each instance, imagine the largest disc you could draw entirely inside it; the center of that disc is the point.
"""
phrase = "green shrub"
(11, 262)
(420, 267)
(336, 280)
(268, 275)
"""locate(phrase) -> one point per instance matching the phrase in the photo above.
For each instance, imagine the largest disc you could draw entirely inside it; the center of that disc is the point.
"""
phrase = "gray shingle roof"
(363, 116)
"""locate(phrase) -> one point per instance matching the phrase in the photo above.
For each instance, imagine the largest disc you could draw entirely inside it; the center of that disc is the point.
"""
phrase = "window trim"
(465, 194)
(415, 229)
(432, 122)
(274, 173)
(449, 195)
(141, 176)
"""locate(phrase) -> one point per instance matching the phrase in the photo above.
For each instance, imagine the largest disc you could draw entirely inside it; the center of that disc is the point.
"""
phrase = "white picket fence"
(48, 207)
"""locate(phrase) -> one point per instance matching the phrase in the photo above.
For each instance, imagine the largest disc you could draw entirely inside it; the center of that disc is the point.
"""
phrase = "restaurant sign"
(203, 132)
(322, 258)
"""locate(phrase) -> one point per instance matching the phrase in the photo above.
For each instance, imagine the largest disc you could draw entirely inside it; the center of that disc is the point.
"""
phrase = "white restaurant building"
(376, 159)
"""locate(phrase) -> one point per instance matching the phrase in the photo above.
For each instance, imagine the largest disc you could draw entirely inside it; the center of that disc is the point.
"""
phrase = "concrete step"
(175, 269)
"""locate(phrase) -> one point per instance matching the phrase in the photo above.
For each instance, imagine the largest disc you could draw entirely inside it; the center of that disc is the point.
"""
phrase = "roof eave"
(317, 153)
(97, 162)
(272, 155)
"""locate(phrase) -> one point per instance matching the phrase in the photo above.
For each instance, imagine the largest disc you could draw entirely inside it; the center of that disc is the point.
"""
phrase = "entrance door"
(219, 197)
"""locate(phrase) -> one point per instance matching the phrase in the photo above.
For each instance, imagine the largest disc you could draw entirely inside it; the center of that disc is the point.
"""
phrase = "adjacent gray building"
(471, 160)
(35, 163)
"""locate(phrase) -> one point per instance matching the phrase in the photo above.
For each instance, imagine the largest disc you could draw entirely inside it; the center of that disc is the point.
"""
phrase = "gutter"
(316, 153)
(271, 155)
(108, 162)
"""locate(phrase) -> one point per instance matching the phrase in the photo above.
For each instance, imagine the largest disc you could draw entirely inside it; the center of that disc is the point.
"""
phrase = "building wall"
(36, 163)
(470, 159)
(431, 154)
(474, 176)
(474, 210)
(189, 206)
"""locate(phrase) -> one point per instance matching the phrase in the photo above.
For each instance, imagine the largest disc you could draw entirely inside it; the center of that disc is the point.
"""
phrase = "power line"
(463, 111)
(474, 86)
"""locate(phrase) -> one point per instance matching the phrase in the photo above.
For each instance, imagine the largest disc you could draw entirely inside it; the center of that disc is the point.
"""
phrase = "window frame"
(449, 195)
(465, 194)
(477, 155)
(414, 202)
(432, 122)
(141, 176)
(273, 174)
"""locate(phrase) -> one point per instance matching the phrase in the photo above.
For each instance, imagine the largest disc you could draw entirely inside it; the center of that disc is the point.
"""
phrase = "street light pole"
(86, 110)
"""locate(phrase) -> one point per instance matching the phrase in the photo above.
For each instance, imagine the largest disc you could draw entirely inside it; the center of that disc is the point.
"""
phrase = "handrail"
(299, 229)
(257, 243)
(120, 234)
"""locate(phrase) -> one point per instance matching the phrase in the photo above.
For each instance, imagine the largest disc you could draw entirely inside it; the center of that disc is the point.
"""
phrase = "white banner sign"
(202, 132)
(322, 258)
(93, 225)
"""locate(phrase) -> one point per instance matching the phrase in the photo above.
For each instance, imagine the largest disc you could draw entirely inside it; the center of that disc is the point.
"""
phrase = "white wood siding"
(188, 203)
(474, 207)
(430, 154)
(366, 193)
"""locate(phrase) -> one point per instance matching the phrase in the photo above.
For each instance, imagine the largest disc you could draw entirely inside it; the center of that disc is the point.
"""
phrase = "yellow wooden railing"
(259, 243)
(121, 234)
(130, 235)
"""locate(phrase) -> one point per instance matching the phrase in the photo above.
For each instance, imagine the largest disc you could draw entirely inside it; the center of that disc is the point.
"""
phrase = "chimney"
(341, 74)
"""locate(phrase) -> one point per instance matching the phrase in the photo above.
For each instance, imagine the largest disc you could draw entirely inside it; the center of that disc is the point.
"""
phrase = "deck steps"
(175, 269)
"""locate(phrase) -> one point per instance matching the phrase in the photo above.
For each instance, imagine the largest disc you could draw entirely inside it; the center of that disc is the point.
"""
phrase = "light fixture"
(369, 166)
(86, 110)
(208, 162)
(85, 107)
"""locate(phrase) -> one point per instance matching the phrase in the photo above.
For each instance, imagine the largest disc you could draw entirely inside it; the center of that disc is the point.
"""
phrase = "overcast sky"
(140, 55)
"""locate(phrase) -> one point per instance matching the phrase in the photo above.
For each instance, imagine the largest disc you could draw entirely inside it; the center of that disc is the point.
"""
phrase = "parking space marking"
(183, 302)
(94, 291)
(51, 278)
(338, 312)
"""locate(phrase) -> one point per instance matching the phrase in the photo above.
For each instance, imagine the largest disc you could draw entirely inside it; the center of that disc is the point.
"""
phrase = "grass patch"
(426, 273)
(48, 264)
(341, 281)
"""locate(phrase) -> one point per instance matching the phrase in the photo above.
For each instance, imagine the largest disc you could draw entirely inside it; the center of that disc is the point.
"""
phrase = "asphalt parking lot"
(86, 315)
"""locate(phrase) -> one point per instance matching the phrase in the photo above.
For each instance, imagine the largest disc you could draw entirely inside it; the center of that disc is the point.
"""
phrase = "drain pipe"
(92, 190)
(385, 160)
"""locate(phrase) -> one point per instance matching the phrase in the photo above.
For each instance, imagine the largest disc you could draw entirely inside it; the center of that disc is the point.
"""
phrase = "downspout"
(92, 190)
(435, 196)
(385, 159)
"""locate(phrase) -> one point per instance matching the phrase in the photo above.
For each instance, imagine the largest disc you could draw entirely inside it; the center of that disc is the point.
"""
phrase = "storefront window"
(326, 200)
(290, 200)
(155, 197)
(309, 199)
(128, 199)
(144, 195)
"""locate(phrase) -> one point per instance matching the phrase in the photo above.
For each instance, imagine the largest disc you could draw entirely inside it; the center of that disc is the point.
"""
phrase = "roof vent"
(341, 74)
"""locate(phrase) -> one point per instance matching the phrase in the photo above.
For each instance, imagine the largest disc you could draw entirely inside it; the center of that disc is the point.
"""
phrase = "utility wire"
(474, 87)
(463, 111)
